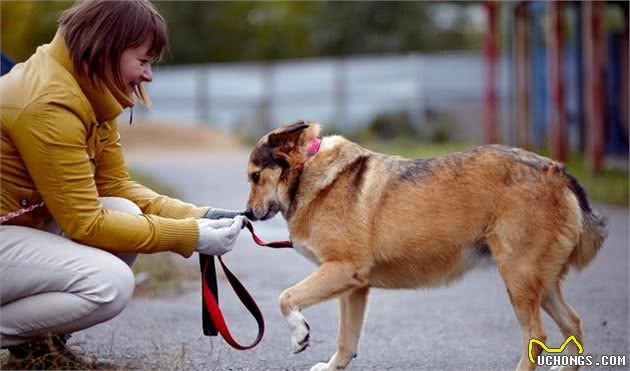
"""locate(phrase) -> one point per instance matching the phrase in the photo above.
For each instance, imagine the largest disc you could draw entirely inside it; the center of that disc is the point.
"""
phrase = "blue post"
(5, 64)
(540, 94)
(616, 140)
(575, 82)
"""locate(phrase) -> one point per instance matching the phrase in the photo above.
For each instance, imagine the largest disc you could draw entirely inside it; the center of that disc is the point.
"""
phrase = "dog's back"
(425, 222)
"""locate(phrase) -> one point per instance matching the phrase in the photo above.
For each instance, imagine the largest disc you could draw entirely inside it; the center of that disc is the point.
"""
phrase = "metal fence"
(344, 93)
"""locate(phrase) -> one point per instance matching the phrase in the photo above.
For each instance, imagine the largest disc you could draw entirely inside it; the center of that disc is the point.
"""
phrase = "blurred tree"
(225, 31)
(27, 24)
(235, 31)
(371, 27)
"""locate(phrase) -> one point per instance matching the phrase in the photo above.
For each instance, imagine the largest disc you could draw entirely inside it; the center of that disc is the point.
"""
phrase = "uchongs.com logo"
(579, 359)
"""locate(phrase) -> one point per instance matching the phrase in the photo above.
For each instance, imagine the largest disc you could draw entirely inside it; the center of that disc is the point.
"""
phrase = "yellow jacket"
(60, 144)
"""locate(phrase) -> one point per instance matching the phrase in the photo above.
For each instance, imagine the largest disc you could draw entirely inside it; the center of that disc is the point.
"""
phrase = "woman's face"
(135, 66)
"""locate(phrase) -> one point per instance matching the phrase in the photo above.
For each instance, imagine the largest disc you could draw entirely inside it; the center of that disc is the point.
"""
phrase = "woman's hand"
(216, 237)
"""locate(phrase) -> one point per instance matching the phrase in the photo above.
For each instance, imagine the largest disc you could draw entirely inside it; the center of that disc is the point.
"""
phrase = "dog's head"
(274, 164)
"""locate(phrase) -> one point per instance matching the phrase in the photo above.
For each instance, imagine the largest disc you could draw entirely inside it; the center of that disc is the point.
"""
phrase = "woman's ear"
(289, 143)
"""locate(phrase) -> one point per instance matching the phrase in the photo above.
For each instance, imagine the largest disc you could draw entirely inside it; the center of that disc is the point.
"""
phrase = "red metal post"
(594, 88)
(490, 56)
(557, 125)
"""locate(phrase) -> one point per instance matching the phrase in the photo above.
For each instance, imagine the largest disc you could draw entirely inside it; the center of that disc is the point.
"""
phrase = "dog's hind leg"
(527, 311)
(351, 315)
(525, 290)
(330, 280)
(565, 317)
(525, 295)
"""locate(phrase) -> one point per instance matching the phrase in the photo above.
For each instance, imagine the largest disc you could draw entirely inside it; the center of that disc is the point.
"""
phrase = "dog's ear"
(289, 143)
(288, 134)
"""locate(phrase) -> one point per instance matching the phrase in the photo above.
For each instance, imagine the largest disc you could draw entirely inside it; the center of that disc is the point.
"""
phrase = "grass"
(152, 183)
(408, 148)
(611, 186)
(165, 276)
(81, 359)
(44, 356)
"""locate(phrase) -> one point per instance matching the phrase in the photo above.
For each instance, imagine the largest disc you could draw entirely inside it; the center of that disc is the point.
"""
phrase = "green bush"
(389, 125)
(152, 183)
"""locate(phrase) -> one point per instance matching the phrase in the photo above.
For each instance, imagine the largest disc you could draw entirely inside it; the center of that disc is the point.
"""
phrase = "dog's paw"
(299, 342)
(321, 367)
(300, 331)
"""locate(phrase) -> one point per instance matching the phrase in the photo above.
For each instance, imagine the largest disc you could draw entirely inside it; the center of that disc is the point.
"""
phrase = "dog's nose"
(249, 214)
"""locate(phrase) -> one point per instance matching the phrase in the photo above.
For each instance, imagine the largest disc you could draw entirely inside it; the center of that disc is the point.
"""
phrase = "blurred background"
(403, 77)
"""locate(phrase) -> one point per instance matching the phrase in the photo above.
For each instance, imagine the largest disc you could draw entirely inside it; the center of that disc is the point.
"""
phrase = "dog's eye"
(256, 177)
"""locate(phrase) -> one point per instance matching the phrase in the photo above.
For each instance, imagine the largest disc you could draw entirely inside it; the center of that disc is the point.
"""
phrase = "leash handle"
(212, 307)
(209, 277)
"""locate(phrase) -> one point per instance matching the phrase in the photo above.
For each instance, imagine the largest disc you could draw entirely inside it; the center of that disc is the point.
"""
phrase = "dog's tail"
(594, 228)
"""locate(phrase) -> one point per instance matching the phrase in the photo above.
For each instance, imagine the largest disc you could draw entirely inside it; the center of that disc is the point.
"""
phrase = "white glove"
(216, 237)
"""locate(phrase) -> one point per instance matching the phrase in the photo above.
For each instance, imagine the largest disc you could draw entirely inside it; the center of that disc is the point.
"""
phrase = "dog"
(373, 220)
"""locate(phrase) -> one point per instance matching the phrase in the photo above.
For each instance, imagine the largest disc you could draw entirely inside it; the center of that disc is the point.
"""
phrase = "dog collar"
(313, 146)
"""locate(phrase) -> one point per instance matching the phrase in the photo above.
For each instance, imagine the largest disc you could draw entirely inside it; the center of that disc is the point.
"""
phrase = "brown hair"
(97, 32)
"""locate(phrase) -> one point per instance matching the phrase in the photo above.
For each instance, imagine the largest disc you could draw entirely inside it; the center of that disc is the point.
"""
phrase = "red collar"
(313, 147)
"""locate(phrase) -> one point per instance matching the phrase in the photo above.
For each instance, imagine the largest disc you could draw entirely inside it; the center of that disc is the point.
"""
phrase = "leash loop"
(212, 307)
(217, 316)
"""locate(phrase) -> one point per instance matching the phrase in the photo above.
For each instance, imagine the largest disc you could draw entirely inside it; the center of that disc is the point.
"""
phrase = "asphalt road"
(468, 326)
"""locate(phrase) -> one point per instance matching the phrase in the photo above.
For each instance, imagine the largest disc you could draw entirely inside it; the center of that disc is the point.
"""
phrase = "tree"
(27, 24)
(228, 31)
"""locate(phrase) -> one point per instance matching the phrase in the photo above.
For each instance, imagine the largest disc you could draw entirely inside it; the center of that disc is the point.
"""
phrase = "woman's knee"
(115, 284)
(124, 205)
(120, 204)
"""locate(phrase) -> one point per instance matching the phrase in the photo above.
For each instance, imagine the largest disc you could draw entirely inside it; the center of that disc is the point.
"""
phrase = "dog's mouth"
(255, 214)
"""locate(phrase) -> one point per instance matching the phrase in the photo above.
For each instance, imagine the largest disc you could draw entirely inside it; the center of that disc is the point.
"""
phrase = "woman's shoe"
(45, 353)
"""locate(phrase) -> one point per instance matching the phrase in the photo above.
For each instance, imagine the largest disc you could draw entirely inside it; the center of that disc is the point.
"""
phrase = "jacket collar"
(107, 100)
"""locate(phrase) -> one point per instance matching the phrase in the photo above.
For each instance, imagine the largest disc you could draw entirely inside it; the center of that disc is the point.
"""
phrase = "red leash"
(275, 245)
(212, 307)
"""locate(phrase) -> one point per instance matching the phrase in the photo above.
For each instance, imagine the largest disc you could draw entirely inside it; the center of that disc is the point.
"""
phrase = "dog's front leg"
(351, 314)
(330, 280)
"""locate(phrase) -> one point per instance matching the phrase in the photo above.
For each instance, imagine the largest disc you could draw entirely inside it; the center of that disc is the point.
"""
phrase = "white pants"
(51, 284)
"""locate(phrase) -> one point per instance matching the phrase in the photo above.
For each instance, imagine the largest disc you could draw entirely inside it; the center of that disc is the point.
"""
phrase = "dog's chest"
(305, 251)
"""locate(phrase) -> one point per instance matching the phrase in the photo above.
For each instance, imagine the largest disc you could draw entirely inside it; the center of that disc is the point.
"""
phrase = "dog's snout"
(249, 214)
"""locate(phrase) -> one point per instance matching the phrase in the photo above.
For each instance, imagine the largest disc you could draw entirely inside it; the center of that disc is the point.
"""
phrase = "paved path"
(469, 326)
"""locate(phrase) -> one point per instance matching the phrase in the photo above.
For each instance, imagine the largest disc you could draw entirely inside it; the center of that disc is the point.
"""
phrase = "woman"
(65, 266)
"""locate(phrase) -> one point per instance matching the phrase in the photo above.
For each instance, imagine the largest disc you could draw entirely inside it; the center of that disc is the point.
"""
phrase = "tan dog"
(373, 220)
